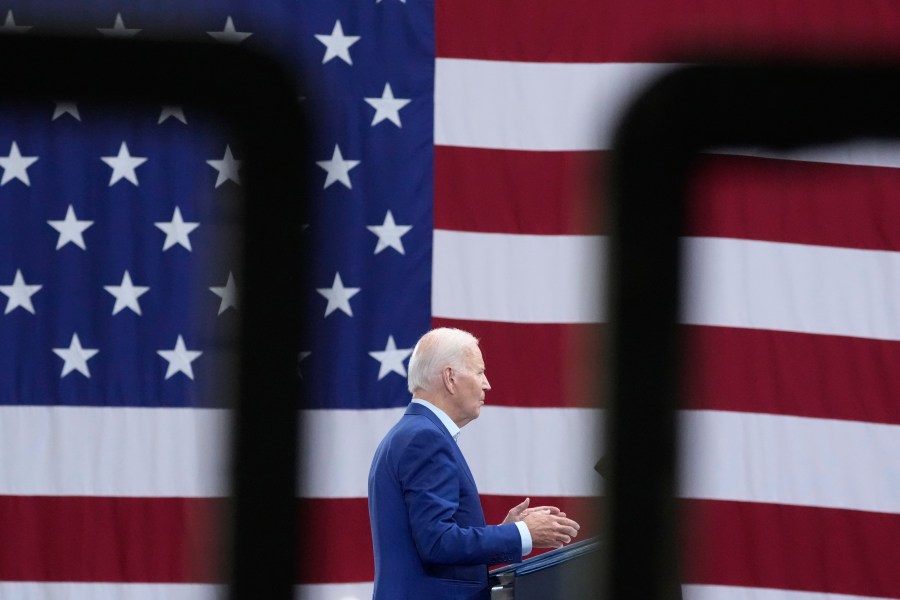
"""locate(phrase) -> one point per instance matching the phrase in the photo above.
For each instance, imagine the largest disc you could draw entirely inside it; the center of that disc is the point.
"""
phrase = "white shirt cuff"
(526, 538)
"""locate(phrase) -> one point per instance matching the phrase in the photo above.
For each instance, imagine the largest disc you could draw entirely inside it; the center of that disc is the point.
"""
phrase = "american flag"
(457, 148)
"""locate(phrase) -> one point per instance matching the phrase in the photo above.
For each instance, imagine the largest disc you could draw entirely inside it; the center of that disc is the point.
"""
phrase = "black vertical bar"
(776, 105)
(257, 100)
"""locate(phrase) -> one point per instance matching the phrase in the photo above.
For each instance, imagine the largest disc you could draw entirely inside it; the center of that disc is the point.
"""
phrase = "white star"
(118, 29)
(228, 294)
(15, 166)
(227, 167)
(123, 165)
(177, 230)
(126, 294)
(9, 26)
(66, 108)
(19, 294)
(229, 33)
(337, 168)
(338, 296)
(389, 234)
(300, 358)
(387, 107)
(70, 229)
(75, 357)
(337, 45)
(180, 359)
(171, 111)
(391, 359)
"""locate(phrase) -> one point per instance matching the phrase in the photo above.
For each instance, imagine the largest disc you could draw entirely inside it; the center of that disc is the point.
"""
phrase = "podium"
(567, 572)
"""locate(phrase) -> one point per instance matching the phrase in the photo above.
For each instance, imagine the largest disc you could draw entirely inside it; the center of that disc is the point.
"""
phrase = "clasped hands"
(549, 526)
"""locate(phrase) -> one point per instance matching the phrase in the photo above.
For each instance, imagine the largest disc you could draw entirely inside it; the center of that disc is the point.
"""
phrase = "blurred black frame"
(771, 104)
(256, 99)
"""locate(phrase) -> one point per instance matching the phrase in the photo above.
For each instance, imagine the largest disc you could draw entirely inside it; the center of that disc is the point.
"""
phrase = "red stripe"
(791, 547)
(152, 540)
(538, 365)
(338, 540)
(800, 202)
(748, 370)
(335, 541)
(506, 191)
(558, 193)
(788, 373)
(658, 30)
(173, 540)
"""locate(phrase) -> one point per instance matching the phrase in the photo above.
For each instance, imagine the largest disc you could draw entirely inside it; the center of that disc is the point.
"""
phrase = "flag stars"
(126, 295)
(70, 230)
(391, 359)
(171, 112)
(177, 230)
(15, 166)
(338, 296)
(337, 169)
(387, 107)
(66, 108)
(179, 359)
(227, 167)
(19, 294)
(123, 165)
(118, 29)
(228, 293)
(337, 45)
(229, 34)
(389, 234)
(75, 357)
(9, 25)
(300, 358)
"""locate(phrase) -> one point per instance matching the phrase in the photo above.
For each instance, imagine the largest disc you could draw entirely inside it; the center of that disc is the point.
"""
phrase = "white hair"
(439, 348)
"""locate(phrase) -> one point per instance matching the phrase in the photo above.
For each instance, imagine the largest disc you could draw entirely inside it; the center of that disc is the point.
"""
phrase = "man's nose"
(487, 384)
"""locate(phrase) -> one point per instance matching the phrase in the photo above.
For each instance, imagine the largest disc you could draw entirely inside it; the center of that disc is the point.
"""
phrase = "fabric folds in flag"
(459, 163)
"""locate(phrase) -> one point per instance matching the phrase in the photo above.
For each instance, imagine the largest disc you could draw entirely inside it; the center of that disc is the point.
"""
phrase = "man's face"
(471, 385)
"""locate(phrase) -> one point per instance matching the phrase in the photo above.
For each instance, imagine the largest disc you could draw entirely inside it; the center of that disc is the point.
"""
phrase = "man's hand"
(520, 511)
(550, 530)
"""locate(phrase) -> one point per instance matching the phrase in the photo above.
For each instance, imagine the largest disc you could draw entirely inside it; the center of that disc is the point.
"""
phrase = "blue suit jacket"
(428, 527)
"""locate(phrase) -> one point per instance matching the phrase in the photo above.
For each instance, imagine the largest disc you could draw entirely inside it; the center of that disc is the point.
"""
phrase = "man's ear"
(449, 379)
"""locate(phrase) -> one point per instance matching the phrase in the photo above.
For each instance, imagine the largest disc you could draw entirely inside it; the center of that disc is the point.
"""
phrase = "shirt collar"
(446, 420)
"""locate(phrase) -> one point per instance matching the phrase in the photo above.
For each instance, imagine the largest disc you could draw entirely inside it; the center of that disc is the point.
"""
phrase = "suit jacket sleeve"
(446, 528)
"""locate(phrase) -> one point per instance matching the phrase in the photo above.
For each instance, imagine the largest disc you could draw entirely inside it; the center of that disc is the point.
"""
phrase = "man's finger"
(520, 508)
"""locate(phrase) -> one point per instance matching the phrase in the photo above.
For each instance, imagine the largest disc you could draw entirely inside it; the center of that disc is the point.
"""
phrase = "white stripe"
(15, 590)
(512, 451)
(517, 278)
(792, 287)
(870, 153)
(724, 592)
(534, 451)
(518, 451)
(181, 453)
(28, 590)
(790, 460)
(335, 591)
(338, 446)
(576, 106)
(533, 106)
(728, 282)
(99, 451)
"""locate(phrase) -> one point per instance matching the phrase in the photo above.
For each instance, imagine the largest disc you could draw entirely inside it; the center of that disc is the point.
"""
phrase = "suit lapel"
(418, 409)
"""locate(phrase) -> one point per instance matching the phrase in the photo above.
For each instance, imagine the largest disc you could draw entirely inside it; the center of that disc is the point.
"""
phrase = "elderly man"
(428, 527)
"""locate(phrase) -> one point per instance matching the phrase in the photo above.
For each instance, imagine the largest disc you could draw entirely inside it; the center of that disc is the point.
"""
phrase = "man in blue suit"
(428, 529)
